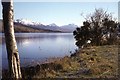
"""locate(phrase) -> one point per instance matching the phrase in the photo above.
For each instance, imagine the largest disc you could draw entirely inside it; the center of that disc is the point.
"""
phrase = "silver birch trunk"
(12, 51)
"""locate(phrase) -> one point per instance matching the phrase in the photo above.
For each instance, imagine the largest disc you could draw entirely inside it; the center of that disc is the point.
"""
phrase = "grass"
(90, 62)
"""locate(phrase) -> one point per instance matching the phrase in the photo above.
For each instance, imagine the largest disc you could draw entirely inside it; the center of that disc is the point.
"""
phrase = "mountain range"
(23, 25)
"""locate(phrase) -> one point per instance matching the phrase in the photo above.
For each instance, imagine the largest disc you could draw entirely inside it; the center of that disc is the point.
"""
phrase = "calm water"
(34, 47)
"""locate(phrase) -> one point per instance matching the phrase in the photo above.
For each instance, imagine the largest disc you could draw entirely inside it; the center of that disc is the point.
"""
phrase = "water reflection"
(39, 46)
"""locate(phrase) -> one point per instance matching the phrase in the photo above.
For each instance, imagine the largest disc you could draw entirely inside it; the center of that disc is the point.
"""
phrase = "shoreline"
(89, 62)
(38, 62)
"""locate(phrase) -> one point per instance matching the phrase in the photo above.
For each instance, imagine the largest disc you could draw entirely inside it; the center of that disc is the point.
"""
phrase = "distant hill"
(24, 28)
(69, 27)
(22, 25)
(0, 25)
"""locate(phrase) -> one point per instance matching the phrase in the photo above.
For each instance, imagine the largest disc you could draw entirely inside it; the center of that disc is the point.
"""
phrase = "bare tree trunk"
(12, 51)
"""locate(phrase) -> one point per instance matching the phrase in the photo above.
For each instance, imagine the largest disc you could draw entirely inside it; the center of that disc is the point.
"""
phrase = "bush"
(98, 29)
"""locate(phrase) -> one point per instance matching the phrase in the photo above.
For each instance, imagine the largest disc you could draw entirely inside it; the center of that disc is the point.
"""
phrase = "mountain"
(0, 25)
(69, 27)
(37, 25)
(53, 26)
(24, 25)
(18, 27)
(26, 22)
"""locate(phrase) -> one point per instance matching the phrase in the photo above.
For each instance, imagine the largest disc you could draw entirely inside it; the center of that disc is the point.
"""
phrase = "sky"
(60, 13)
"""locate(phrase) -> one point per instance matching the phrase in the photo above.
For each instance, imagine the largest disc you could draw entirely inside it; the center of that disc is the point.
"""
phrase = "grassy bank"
(90, 62)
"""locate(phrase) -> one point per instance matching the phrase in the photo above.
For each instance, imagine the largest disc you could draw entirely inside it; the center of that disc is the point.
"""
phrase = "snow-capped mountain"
(27, 22)
(53, 26)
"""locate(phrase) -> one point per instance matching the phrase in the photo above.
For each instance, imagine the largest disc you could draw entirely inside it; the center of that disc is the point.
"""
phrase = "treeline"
(99, 28)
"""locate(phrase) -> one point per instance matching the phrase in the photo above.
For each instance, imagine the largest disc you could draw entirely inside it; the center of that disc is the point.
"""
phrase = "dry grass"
(101, 60)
